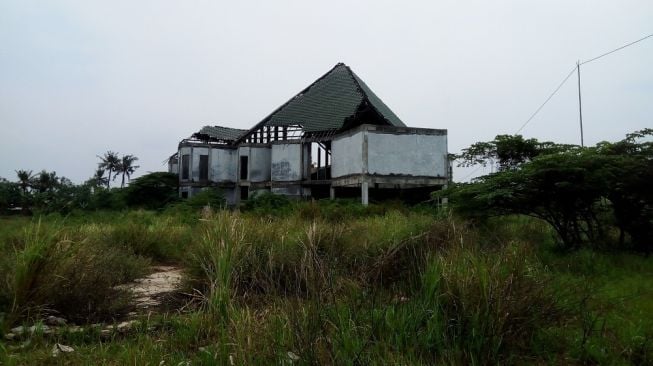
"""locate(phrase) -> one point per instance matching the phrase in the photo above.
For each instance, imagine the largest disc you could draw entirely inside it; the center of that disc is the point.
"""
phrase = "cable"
(547, 100)
(571, 72)
(616, 49)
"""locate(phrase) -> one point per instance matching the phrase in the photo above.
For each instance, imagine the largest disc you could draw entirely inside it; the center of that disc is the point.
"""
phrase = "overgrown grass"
(320, 283)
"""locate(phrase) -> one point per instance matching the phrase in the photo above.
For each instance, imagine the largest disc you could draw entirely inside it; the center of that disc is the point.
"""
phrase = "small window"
(184, 194)
(185, 165)
(244, 193)
(204, 167)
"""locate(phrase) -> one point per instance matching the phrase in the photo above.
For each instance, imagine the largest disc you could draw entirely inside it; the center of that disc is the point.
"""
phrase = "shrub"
(152, 190)
(267, 203)
(57, 271)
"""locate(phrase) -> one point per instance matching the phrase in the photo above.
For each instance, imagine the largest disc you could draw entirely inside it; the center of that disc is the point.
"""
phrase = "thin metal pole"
(580, 106)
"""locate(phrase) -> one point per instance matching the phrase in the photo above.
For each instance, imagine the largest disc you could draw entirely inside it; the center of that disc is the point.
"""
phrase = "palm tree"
(127, 167)
(110, 162)
(99, 179)
(24, 179)
(46, 182)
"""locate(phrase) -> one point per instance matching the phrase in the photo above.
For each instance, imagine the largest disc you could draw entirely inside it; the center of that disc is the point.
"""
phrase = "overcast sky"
(78, 78)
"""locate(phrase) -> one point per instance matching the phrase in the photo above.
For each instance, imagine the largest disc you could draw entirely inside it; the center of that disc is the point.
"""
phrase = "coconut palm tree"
(25, 179)
(127, 167)
(99, 179)
(46, 181)
(109, 162)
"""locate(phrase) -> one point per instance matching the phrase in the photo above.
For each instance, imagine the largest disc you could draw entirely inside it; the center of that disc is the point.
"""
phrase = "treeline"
(598, 197)
(47, 192)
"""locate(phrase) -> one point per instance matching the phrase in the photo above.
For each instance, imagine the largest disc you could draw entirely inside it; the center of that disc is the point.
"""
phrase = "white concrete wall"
(259, 164)
(230, 195)
(173, 168)
(224, 165)
(347, 155)
(409, 154)
(195, 161)
(286, 162)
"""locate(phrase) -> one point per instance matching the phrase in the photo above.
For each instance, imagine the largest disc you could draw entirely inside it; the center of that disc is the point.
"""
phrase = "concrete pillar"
(365, 193)
(332, 193)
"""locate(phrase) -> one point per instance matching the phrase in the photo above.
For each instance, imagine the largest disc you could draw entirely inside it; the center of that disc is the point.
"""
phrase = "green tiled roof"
(329, 102)
(220, 133)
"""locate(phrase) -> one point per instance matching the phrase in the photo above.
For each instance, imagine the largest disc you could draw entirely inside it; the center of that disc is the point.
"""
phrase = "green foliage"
(508, 151)
(152, 190)
(211, 197)
(67, 272)
(267, 203)
(109, 162)
(583, 194)
(108, 199)
(10, 195)
(391, 286)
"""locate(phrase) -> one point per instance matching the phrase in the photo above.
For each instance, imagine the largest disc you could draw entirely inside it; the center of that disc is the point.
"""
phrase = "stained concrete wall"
(286, 162)
(347, 155)
(230, 195)
(183, 151)
(406, 154)
(411, 153)
(224, 165)
(173, 168)
(195, 161)
(259, 164)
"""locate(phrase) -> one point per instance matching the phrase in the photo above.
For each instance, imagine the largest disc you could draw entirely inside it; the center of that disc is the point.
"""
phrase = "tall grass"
(54, 271)
(376, 285)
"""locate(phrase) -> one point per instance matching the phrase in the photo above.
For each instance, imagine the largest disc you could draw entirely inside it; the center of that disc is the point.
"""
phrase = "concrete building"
(335, 138)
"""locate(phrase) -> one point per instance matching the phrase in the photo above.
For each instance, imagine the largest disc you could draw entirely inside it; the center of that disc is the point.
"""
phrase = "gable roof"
(329, 102)
(225, 134)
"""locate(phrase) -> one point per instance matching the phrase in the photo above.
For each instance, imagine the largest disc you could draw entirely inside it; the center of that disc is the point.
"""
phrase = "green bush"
(153, 190)
(61, 271)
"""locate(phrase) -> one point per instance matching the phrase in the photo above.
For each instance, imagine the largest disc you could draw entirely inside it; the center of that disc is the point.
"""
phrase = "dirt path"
(150, 290)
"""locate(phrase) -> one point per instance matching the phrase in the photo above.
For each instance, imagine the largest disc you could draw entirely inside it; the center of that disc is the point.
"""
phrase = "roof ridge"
(366, 98)
(303, 91)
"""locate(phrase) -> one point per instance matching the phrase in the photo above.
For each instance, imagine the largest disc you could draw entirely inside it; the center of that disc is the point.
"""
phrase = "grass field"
(322, 283)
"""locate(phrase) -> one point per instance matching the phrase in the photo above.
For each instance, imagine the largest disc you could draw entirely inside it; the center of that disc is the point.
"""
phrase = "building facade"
(335, 138)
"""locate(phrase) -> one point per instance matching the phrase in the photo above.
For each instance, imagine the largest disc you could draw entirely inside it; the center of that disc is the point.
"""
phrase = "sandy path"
(149, 289)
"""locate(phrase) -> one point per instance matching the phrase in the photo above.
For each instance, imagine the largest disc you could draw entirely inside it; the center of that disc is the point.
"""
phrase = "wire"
(616, 49)
(571, 72)
(547, 100)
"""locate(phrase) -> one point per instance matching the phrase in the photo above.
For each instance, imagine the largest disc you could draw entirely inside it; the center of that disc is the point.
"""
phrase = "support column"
(365, 193)
(332, 193)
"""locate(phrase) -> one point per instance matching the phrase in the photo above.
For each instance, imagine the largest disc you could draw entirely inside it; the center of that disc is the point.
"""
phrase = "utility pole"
(580, 106)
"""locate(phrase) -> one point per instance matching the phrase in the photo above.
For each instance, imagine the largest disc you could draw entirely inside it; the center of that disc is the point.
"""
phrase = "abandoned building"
(335, 138)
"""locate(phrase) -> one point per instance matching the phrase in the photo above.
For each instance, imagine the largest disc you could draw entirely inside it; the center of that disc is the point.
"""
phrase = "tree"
(581, 193)
(24, 180)
(10, 194)
(46, 181)
(508, 151)
(153, 190)
(98, 179)
(110, 163)
(127, 167)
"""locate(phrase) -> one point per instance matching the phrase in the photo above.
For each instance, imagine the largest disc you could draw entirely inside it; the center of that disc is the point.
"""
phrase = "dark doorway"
(204, 167)
(243, 168)
(185, 162)
(244, 192)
